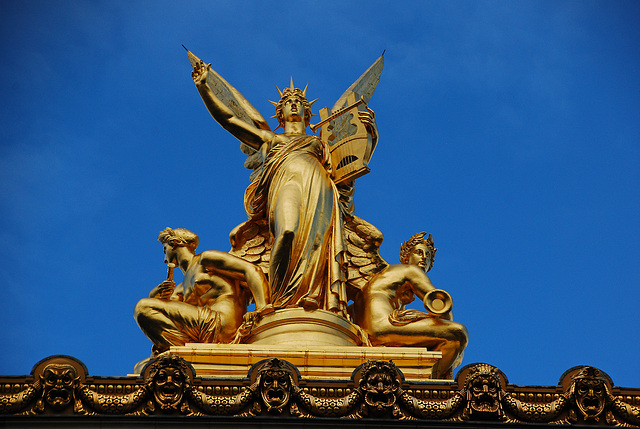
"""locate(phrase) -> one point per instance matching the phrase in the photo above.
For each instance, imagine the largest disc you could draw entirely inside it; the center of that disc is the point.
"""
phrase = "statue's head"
(590, 392)
(292, 95)
(418, 251)
(179, 237)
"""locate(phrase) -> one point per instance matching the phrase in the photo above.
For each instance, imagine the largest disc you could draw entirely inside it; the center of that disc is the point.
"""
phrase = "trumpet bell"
(438, 301)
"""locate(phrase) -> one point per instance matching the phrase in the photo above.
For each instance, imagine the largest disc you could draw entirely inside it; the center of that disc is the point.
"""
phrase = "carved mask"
(275, 388)
(484, 392)
(168, 387)
(380, 385)
(590, 393)
(59, 384)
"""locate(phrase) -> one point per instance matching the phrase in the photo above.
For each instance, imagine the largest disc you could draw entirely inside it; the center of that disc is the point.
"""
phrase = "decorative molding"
(168, 385)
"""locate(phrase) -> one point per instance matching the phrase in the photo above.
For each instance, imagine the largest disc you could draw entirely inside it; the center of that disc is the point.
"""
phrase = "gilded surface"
(209, 305)
(302, 247)
(376, 390)
(380, 307)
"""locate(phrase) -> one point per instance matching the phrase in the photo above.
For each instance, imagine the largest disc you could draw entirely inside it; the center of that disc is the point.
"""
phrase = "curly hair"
(179, 237)
(407, 247)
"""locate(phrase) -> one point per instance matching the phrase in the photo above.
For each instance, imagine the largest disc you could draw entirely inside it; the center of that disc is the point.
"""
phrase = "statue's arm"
(390, 280)
(237, 268)
(415, 278)
(419, 281)
(178, 293)
(240, 129)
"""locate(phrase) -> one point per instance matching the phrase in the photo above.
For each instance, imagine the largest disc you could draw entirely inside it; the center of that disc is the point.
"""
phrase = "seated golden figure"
(208, 306)
(380, 308)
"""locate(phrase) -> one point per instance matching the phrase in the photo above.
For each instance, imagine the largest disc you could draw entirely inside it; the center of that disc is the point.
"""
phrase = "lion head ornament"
(59, 382)
(380, 384)
(590, 390)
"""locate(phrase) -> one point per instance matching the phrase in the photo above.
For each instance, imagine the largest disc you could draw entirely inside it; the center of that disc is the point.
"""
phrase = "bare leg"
(451, 349)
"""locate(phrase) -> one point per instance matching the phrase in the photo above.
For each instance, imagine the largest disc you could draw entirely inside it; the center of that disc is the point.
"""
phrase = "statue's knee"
(143, 309)
(460, 335)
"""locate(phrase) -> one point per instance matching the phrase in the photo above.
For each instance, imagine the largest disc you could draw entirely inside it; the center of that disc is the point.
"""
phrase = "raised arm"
(243, 131)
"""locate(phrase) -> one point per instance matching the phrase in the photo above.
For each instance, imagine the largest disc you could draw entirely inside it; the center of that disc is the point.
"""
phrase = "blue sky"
(508, 130)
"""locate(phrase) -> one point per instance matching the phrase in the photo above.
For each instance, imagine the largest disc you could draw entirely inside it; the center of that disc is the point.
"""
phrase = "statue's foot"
(158, 349)
(309, 304)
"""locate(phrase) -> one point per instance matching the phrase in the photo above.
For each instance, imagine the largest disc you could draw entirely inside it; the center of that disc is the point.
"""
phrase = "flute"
(171, 266)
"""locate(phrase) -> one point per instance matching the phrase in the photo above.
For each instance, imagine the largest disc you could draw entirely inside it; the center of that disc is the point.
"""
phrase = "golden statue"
(209, 305)
(295, 208)
(380, 307)
(302, 253)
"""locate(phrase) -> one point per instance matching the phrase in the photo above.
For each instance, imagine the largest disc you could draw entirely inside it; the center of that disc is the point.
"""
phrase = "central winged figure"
(299, 217)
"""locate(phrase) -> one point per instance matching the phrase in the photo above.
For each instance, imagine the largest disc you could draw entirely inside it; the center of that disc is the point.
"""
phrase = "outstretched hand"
(200, 72)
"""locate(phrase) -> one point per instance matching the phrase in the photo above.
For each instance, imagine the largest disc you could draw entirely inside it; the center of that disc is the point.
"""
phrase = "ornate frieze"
(168, 385)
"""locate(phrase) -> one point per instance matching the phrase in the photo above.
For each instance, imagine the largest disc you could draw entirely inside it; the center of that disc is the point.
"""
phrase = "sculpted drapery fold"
(315, 275)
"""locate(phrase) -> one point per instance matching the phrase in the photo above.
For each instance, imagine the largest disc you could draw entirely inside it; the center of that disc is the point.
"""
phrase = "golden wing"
(364, 87)
(240, 107)
(351, 145)
(251, 241)
(363, 256)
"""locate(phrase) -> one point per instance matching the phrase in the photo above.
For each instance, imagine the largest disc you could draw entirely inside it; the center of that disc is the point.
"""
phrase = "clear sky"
(508, 130)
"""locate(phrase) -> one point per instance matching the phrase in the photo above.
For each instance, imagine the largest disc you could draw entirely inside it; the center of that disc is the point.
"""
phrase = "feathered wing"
(364, 86)
(251, 241)
(239, 105)
(363, 256)
(363, 239)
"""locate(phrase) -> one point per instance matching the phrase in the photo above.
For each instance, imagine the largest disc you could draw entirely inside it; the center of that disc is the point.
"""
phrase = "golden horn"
(437, 301)
(273, 102)
(279, 92)
(304, 93)
(292, 87)
(311, 102)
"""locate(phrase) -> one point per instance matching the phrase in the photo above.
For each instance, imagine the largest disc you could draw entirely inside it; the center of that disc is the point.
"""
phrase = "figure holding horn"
(380, 308)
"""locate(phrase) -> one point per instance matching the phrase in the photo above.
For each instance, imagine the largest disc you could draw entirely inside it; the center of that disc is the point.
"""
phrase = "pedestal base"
(321, 344)
(320, 363)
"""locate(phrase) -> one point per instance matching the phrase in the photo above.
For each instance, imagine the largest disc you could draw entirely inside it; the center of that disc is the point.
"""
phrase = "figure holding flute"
(209, 305)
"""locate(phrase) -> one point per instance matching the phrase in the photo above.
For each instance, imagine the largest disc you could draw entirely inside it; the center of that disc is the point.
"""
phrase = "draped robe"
(315, 277)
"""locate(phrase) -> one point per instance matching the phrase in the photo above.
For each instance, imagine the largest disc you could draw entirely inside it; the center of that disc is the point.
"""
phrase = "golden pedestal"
(295, 327)
(313, 362)
(322, 345)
